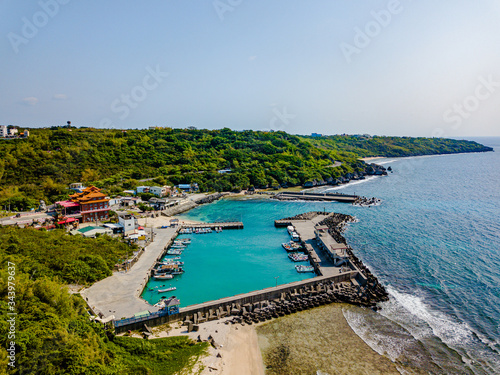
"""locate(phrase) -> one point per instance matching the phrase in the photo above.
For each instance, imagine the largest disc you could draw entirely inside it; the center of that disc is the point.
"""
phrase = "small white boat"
(290, 229)
(167, 289)
(163, 277)
(303, 269)
(295, 237)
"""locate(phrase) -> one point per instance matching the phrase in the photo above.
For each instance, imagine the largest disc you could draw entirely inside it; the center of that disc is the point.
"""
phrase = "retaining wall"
(252, 297)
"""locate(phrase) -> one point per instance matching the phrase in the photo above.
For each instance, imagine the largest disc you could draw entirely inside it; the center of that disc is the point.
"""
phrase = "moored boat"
(163, 277)
(167, 289)
(174, 252)
(303, 269)
(298, 257)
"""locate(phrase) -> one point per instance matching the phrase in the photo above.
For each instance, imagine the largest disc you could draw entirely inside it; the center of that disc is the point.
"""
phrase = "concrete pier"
(223, 225)
(119, 294)
(289, 195)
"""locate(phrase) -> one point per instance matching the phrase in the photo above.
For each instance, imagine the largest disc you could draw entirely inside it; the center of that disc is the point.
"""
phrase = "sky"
(395, 67)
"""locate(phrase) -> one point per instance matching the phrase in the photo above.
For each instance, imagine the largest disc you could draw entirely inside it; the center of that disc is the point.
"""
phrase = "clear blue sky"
(419, 68)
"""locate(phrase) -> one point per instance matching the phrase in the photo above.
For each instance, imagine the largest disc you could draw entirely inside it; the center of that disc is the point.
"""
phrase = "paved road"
(118, 294)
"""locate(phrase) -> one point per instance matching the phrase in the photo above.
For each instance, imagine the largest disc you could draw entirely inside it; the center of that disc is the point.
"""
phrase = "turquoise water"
(434, 242)
(234, 261)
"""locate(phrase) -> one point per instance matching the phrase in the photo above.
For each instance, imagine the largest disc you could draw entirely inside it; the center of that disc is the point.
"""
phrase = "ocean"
(434, 243)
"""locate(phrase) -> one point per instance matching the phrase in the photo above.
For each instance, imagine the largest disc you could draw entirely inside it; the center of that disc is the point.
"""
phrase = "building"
(128, 222)
(188, 187)
(77, 186)
(12, 132)
(26, 134)
(142, 189)
(94, 205)
(160, 191)
(3, 131)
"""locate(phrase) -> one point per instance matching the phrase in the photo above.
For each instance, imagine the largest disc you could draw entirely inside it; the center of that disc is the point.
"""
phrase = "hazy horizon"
(396, 68)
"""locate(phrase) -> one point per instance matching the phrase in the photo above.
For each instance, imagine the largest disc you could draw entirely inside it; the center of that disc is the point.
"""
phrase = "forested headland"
(41, 166)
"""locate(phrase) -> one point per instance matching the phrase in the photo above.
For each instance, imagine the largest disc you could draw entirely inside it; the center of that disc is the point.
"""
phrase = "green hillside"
(41, 166)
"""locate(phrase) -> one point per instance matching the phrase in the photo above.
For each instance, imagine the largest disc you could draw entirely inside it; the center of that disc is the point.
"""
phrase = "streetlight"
(276, 278)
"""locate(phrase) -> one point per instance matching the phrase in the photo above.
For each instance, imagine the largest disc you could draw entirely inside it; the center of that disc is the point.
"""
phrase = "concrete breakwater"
(188, 204)
(374, 290)
(277, 297)
(290, 195)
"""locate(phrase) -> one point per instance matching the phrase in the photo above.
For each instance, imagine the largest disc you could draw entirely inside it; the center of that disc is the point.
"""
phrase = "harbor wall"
(241, 299)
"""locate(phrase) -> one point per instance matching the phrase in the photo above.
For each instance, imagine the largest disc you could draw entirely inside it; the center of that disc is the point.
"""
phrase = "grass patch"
(170, 355)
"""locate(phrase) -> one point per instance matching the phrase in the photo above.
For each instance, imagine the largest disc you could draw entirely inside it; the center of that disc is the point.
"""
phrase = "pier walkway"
(289, 195)
(119, 294)
(223, 225)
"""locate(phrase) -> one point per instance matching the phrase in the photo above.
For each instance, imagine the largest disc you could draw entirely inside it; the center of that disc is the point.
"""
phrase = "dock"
(223, 225)
(336, 197)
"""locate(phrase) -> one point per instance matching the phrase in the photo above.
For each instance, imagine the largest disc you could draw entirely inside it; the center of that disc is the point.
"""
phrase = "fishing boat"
(177, 246)
(295, 236)
(291, 246)
(290, 229)
(183, 240)
(177, 271)
(303, 269)
(163, 277)
(174, 252)
(168, 261)
(167, 289)
(298, 257)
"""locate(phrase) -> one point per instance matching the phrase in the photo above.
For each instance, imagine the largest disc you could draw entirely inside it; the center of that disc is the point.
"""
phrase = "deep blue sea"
(434, 242)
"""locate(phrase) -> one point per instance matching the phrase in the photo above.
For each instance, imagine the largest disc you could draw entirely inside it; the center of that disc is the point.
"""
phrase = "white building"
(160, 191)
(3, 131)
(128, 222)
(142, 189)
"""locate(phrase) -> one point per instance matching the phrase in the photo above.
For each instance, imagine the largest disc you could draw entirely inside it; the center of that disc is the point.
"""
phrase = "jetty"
(223, 225)
(310, 196)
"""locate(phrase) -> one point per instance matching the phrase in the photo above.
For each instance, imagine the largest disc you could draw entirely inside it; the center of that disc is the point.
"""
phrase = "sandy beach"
(371, 158)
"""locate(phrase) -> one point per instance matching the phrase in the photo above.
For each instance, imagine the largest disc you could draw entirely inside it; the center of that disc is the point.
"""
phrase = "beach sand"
(236, 348)
(371, 158)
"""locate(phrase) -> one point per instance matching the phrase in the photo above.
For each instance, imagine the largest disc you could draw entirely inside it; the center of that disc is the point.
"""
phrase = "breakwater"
(316, 196)
(284, 299)
(187, 204)
(222, 225)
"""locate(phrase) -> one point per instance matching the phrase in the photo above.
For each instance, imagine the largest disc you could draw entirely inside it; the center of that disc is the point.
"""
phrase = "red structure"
(89, 205)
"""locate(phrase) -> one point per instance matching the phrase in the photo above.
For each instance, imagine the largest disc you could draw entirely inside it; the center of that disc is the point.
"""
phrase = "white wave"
(422, 321)
(386, 162)
(392, 347)
(357, 182)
